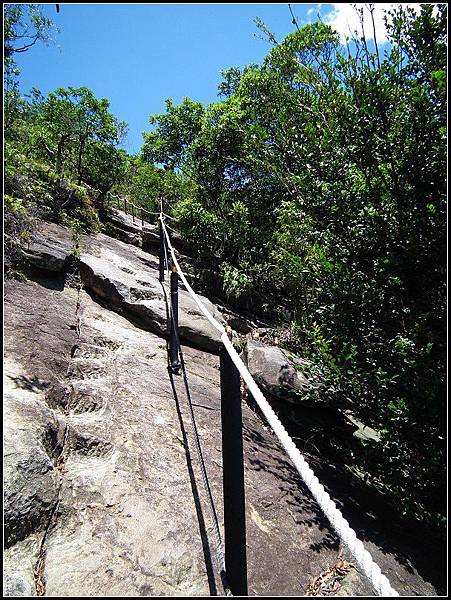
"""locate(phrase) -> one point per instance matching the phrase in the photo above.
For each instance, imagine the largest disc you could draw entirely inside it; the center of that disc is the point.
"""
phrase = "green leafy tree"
(74, 129)
(23, 26)
(319, 179)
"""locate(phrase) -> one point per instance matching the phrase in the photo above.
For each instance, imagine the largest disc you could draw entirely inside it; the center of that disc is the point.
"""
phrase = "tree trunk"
(80, 155)
(59, 156)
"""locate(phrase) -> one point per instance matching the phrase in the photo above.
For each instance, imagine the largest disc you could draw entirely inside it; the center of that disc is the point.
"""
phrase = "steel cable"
(219, 552)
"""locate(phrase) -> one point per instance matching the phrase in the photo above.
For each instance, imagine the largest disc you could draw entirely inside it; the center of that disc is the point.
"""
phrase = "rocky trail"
(103, 491)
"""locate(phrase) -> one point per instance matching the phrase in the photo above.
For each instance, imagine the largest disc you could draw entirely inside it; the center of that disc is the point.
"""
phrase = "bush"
(201, 228)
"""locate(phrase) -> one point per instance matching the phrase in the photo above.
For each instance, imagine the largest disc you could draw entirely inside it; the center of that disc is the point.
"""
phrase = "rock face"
(272, 369)
(30, 481)
(120, 275)
(125, 222)
(132, 231)
(39, 334)
(150, 238)
(127, 279)
(123, 521)
(50, 249)
(102, 480)
(124, 227)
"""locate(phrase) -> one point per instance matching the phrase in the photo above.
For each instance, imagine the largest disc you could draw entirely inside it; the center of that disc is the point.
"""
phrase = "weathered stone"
(150, 238)
(272, 369)
(51, 247)
(362, 432)
(40, 330)
(86, 397)
(115, 274)
(132, 517)
(124, 222)
(29, 478)
(126, 236)
(18, 567)
(16, 584)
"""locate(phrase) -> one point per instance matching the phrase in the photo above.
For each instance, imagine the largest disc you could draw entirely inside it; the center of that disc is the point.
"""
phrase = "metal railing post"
(142, 217)
(125, 205)
(173, 342)
(233, 477)
(133, 211)
(162, 261)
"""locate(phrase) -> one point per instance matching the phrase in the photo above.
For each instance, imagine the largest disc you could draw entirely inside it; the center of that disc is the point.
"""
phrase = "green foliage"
(199, 226)
(75, 132)
(57, 148)
(18, 227)
(146, 184)
(236, 282)
(176, 131)
(319, 180)
(23, 26)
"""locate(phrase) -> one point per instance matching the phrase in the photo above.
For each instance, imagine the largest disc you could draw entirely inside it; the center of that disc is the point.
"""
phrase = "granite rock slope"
(104, 493)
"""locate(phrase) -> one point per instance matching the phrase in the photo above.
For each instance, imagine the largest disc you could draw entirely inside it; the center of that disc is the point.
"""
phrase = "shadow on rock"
(366, 509)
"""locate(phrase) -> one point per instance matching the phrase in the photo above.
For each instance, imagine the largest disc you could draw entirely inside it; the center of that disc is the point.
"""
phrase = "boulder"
(124, 222)
(50, 249)
(275, 373)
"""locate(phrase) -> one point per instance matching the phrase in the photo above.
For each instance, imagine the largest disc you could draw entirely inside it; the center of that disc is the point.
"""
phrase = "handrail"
(177, 362)
(372, 571)
(141, 208)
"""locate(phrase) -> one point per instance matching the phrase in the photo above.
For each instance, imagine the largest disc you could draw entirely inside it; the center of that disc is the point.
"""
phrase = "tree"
(320, 179)
(74, 129)
(23, 26)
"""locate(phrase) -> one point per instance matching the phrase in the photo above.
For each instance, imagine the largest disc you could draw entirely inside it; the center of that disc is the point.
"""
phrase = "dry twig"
(328, 582)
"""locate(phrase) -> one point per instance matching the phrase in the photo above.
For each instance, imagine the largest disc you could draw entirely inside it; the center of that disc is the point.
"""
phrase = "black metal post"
(233, 477)
(118, 203)
(162, 262)
(142, 217)
(173, 342)
(133, 212)
(125, 205)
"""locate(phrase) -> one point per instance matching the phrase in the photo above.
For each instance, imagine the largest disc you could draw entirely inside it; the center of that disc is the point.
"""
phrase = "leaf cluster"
(319, 181)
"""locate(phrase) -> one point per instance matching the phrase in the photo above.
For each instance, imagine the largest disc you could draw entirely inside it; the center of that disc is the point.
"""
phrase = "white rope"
(370, 568)
(347, 534)
(146, 211)
(196, 298)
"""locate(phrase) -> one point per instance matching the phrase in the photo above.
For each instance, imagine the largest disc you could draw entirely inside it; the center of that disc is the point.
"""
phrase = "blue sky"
(136, 55)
